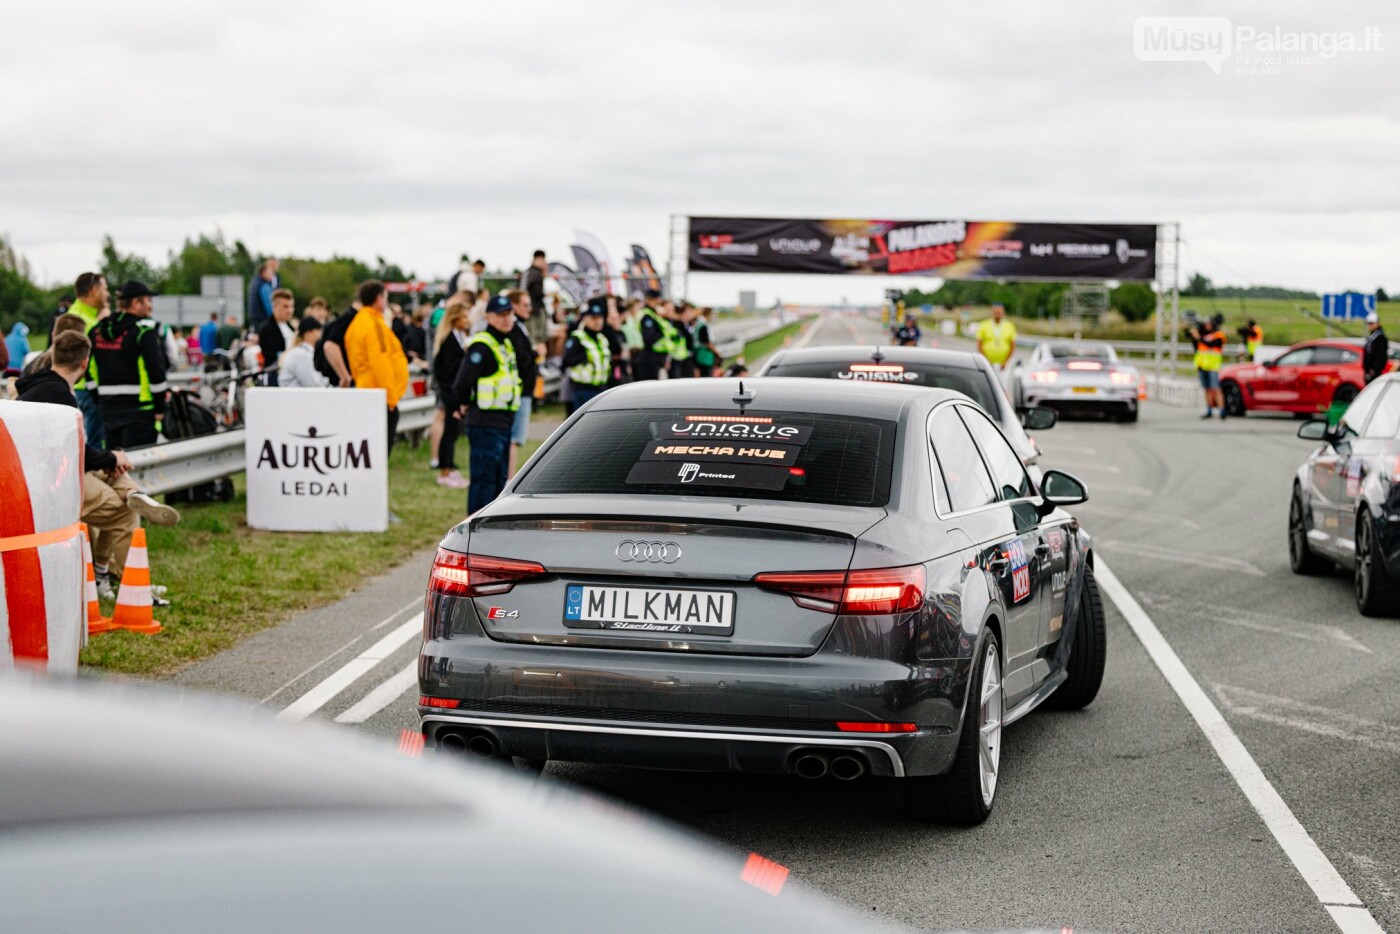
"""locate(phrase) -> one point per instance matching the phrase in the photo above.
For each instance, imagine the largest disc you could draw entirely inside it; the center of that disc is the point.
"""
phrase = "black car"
(767, 575)
(1347, 496)
(960, 370)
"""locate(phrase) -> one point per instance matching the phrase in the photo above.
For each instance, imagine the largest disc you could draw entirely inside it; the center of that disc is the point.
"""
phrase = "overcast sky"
(421, 130)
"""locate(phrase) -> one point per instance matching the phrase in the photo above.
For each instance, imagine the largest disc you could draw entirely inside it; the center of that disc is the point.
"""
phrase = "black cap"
(653, 293)
(596, 306)
(309, 324)
(133, 289)
(499, 305)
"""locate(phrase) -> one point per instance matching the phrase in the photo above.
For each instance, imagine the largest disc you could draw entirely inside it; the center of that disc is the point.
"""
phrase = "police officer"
(909, 334)
(683, 344)
(658, 337)
(588, 354)
(128, 358)
(488, 388)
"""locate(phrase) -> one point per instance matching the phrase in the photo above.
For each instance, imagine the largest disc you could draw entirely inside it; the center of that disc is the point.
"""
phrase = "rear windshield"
(1064, 351)
(788, 456)
(969, 382)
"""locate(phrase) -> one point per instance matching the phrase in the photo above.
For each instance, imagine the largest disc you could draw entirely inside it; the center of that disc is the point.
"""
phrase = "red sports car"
(1307, 377)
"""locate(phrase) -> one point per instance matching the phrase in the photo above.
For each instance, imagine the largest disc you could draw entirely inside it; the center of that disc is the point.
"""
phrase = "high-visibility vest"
(89, 315)
(1209, 352)
(1252, 342)
(499, 392)
(680, 347)
(598, 368)
(667, 342)
(996, 339)
(632, 333)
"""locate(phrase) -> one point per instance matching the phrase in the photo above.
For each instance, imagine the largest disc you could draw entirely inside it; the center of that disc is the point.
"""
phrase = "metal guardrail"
(187, 463)
(181, 464)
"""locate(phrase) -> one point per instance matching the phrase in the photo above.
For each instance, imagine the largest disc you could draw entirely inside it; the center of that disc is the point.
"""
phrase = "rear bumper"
(1115, 400)
(692, 749)
(702, 712)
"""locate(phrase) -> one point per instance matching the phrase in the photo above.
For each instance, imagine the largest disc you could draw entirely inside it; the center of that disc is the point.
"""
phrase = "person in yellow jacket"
(996, 338)
(374, 354)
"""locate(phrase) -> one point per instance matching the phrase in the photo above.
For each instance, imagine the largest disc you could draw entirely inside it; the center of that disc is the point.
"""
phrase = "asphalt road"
(1118, 818)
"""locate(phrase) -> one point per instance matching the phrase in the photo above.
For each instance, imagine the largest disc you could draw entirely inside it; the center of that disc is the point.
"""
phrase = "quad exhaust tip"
(476, 743)
(844, 766)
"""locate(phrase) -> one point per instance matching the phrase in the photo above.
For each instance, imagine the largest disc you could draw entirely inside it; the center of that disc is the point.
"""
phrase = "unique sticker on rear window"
(682, 473)
(737, 428)
(752, 452)
(878, 373)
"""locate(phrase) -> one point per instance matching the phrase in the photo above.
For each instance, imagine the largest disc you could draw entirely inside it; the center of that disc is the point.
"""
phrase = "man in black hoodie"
(112, 503)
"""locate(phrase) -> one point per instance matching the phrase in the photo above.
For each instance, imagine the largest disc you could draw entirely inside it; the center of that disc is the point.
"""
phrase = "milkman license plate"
(1089, 390)
(645, 609)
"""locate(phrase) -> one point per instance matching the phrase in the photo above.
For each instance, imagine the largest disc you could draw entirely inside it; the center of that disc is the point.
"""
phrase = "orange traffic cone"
(96, 622)
(133, 611)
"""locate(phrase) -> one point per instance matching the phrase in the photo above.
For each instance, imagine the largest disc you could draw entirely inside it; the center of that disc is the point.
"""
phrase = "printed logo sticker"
(1020, 571)
(776, 455)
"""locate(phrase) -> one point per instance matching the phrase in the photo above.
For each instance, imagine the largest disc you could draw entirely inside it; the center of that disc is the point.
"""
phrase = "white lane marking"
(316, 698)
(806, 336)
(1322, 633)
(375, 628)
(1320, 721)
(1316, 869)
(1166, 554)
(382, 696)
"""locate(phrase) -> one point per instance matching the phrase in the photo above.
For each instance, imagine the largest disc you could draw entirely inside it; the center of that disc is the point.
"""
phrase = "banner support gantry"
(678, 260)
(1168, 299)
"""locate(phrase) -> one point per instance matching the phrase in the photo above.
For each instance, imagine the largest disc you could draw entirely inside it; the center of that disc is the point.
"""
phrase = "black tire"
(1129, 416)
(1375, 588)
(1234, 399)
(1301, 558)
(957, 797)
(1088, 655)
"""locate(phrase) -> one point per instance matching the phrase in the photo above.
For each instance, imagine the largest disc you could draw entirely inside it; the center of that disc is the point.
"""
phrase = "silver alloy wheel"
(989, 724)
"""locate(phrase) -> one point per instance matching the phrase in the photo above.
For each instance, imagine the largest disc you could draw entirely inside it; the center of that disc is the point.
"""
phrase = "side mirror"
(1270, 364)
(1058, 488)
(1315, 430)
(1037, 418)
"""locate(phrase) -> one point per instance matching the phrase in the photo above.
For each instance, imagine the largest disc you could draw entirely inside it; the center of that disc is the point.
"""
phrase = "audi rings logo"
(650, 552)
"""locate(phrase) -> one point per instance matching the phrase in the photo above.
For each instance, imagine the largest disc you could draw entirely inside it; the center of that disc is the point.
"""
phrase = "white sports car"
(1072, 376)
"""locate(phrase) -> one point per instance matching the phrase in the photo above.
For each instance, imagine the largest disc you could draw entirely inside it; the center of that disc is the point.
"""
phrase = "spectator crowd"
(486, 356)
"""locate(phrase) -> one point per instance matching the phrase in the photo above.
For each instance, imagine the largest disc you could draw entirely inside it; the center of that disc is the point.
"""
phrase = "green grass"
(756, 350)
(227, 581)
(1282, 322)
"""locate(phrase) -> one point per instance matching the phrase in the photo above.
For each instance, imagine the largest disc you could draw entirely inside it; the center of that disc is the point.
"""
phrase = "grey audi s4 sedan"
(767, 575)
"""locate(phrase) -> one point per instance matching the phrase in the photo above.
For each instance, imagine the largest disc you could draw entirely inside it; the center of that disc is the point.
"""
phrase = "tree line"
(334, 279)
(1135, 301)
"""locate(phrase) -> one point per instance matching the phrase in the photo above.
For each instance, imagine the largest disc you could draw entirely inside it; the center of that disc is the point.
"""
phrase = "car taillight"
(1119, 378)
(867, 592)
(1045, 376)
(1085, 365)
(457, 575)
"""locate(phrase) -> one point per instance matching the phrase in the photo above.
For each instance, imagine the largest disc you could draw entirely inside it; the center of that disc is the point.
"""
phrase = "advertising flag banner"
(568, 281)
(642, 275)
(608, 271)
(590, 272)
(317, 460)
(946, 249)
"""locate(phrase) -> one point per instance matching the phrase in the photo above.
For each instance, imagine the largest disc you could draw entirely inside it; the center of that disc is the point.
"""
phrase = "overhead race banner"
(947, 249)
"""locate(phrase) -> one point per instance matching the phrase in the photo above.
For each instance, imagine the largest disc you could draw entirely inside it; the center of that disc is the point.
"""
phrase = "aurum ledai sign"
(317, 460)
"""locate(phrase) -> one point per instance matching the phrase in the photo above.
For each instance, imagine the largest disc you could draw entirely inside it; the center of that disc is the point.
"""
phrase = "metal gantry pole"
(678, 259)
(1168, 299)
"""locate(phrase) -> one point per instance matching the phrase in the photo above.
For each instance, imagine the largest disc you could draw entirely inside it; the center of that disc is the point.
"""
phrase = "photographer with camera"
(1251, 336)
(1209, 342)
